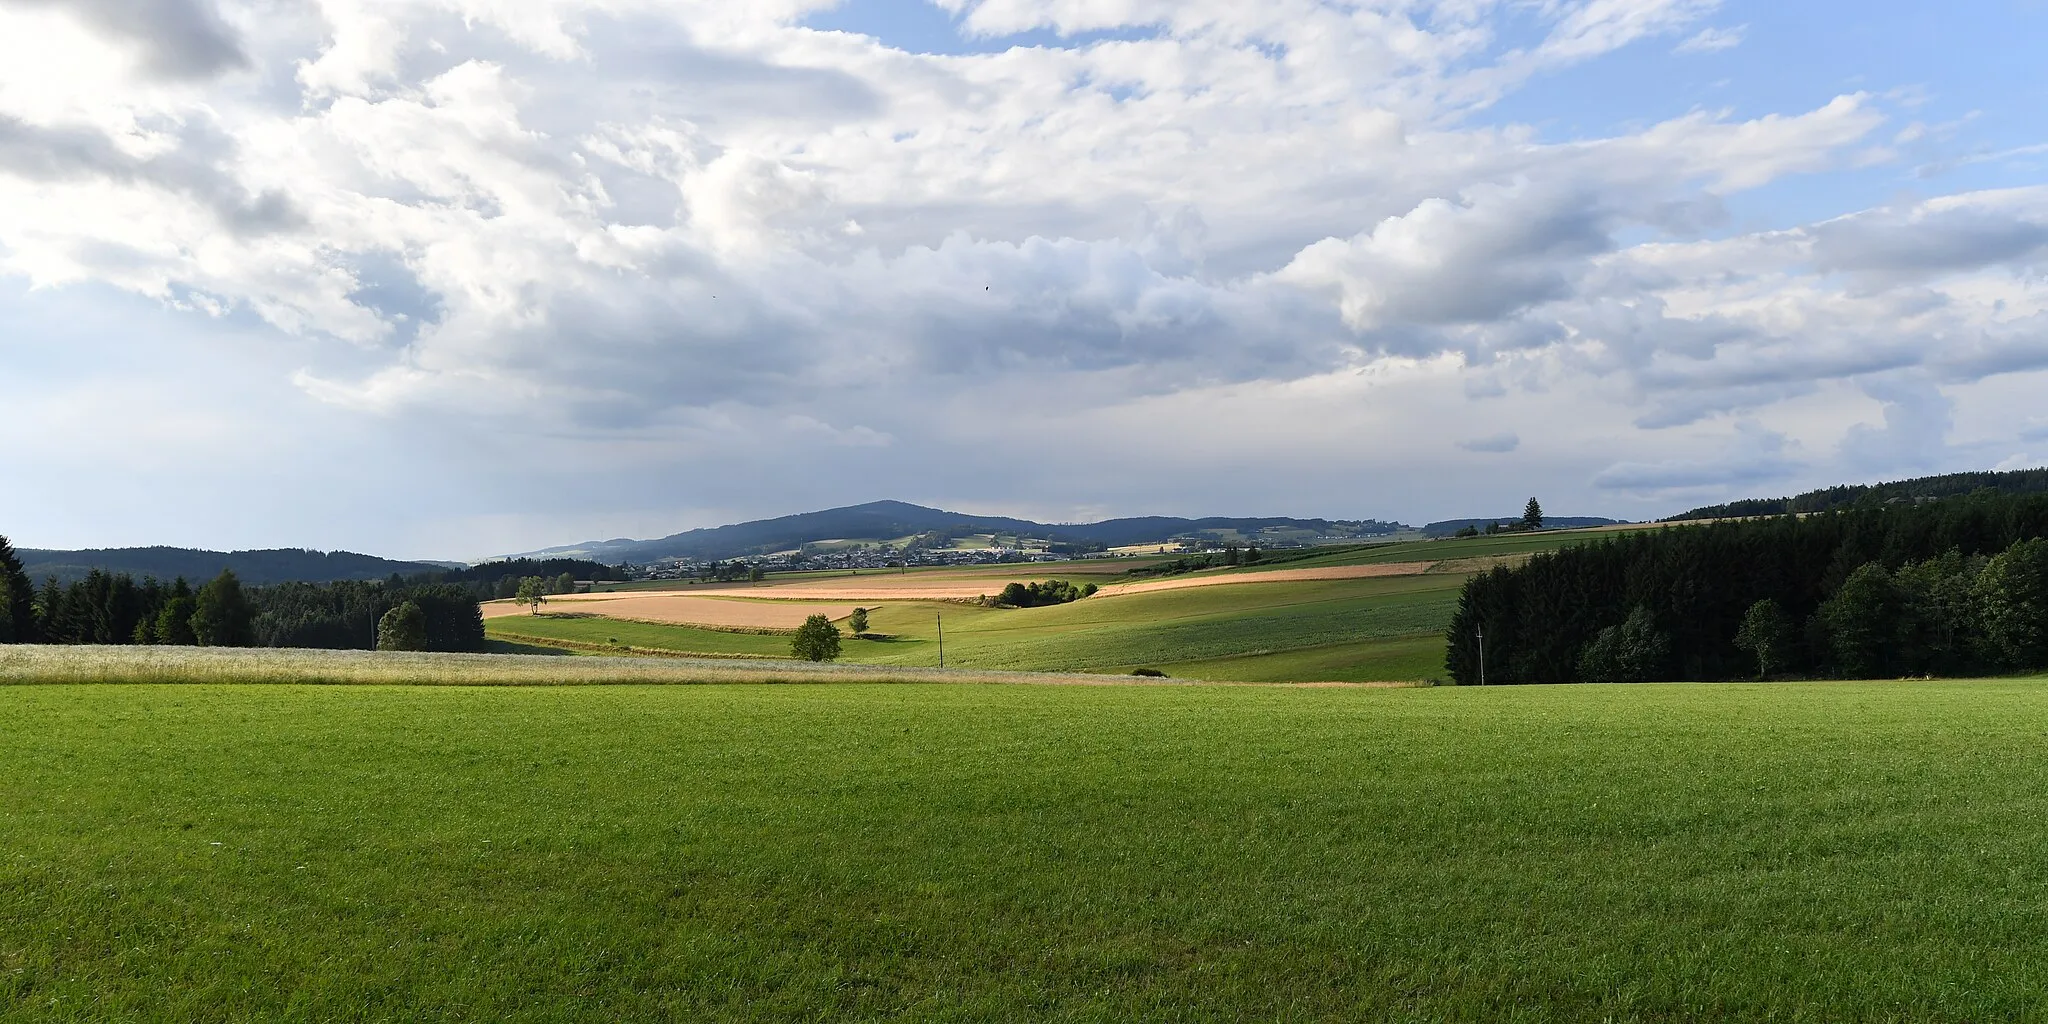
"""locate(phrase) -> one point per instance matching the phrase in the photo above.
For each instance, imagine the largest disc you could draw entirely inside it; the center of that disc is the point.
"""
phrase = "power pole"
(942, 638)
(1482, 655)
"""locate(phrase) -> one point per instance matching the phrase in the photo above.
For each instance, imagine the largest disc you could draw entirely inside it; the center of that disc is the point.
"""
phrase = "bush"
(1040, 594)
(1149, 673)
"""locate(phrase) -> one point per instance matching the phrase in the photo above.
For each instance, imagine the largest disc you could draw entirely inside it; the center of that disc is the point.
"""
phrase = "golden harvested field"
(1324, 572)
(774, 605)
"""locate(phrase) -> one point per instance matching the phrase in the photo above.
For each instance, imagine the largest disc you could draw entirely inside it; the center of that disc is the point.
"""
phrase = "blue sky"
(449, 280)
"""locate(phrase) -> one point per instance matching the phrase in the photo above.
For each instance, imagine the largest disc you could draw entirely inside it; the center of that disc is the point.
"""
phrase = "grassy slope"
(1323, 630)
(1812, 852)
(1341, 629)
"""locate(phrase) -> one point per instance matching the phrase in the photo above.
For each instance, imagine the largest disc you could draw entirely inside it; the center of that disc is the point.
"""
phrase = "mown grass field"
(1784, 853)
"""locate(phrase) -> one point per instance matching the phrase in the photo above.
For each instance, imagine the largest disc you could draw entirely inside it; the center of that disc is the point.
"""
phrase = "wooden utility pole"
(1482, 655)
(942, 638)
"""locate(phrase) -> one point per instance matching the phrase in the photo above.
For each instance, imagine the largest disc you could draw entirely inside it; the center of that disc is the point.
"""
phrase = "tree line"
(1926, 488)
(116, 608)
(1951, 587)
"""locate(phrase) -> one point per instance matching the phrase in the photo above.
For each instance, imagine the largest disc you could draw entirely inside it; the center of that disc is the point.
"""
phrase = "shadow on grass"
(508, 647)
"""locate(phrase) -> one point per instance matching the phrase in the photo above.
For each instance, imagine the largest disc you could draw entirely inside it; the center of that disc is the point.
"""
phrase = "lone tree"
(816, 640)
(1767, 633)
(403, 628)
(533, 592)
(858, 621)
(1532, 515)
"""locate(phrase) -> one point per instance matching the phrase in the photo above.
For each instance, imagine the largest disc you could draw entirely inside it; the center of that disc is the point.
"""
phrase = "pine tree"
(1532, 515)
(17, 599)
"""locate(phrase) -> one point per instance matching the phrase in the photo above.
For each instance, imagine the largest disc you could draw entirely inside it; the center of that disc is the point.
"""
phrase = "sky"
(458, 278)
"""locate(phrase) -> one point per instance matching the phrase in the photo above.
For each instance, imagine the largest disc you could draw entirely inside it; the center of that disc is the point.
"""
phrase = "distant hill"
(2020, 481)
(280, 565)
(1451, 526)
(888, 520)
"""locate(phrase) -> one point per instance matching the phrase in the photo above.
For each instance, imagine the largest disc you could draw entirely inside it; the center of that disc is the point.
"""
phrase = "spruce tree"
(17, 598)
(1532, 515)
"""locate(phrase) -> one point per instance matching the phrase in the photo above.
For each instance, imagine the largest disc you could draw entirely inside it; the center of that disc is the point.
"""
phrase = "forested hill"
(1448, 527)
(257, 568)
(1948, 588)
(2021, 481)
(885, 520)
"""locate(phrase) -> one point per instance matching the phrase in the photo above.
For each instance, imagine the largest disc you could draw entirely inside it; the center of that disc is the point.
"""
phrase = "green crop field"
(590, 634)
(989, 853)
(1343, 630)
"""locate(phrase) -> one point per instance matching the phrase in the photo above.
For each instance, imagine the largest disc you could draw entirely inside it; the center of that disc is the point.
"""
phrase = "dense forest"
(1949, 587)
(115, 608)
(258, 568)
(1829, 499)
(500, 579)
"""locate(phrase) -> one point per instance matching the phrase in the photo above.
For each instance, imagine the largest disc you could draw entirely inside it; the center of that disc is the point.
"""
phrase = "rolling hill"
(1449, 527)
(1827, 499)
(279, 565)
(883, 520)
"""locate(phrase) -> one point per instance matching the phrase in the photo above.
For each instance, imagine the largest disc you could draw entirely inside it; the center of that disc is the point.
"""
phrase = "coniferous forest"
(115, 608)
(1952, 587)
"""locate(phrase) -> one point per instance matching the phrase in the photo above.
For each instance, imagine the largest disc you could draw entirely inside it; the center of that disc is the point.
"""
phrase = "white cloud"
(1713, 40)
(674, 232)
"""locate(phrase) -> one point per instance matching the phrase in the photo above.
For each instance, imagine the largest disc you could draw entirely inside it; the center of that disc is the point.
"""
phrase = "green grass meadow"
(1824, 852)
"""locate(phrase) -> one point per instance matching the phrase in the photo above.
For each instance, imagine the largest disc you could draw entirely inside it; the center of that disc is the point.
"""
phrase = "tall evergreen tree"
(1532, 515)
(17, 598)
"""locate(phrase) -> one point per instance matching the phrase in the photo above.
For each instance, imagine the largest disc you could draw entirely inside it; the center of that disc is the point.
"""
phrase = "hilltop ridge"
(892, 520)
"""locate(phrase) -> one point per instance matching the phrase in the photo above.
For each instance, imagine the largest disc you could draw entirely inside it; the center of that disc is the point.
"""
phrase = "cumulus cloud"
(674, 226)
